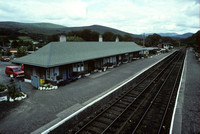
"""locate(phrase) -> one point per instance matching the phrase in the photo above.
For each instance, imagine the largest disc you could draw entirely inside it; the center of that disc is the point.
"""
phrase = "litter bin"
(42, 81)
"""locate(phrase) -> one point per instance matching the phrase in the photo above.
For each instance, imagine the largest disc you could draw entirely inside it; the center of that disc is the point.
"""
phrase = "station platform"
(185, 119)
(43, 109)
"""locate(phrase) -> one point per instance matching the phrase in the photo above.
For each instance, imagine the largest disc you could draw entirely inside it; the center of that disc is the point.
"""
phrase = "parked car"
(14, 71)
(5, 58)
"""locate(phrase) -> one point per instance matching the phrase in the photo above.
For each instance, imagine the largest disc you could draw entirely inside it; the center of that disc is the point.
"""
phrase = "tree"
(15, 44)
(74, 39)
(153, 40)
(20, 43)
(27, 43)
(94, 36)
(39, 45)
(86, 34)
(192, 41)
(108, 36)
(22, 51)
(128, 37)
(121, 38)
(53, 38)
(4, 41)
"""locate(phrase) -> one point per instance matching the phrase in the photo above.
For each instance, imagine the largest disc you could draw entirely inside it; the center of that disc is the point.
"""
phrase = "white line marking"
(177, 96)
(83, 108)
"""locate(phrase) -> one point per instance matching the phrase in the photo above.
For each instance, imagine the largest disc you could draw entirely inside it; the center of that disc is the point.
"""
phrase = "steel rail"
(137, 98)
(142, 118)
(123, 125)
(169, 58)
(166, 109)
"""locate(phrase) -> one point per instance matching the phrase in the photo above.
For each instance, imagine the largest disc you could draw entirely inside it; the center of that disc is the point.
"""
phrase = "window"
(120, 57)
(111, 59)
(74, 67)
(114, 60)
(78, 67)
(82, 67)
(56, 71)
(48, 73)
(51, 72)
(16, 69)
(104, 61)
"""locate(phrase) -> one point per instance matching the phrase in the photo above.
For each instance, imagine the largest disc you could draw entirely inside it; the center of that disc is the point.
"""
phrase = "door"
(64, 71)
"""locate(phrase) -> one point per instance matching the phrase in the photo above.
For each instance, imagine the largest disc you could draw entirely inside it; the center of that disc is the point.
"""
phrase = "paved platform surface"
(186, 119)
(42, 107)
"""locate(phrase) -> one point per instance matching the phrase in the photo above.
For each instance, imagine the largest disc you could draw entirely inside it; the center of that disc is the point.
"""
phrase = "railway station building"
(63, 62)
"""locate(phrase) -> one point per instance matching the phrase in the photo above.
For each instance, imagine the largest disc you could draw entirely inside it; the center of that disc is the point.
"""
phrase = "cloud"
(39, 10)
(134, 16)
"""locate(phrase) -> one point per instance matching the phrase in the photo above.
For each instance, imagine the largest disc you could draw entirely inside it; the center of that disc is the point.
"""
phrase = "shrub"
(49, 85)
(2, 87)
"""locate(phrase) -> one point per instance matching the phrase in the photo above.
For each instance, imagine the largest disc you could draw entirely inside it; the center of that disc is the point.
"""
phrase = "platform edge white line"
(177, 96)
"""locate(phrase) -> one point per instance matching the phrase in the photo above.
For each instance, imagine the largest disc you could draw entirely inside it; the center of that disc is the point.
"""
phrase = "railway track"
(153, 119)
(143, 108)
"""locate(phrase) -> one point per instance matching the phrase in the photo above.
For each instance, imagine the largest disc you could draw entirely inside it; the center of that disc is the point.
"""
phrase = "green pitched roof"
(60, 53)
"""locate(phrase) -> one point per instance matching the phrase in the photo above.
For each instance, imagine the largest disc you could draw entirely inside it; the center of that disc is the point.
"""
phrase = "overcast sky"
(134, 16)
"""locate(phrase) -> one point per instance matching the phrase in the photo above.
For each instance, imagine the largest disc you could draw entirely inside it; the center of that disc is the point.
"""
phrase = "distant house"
(63, 61)
(152, 50)
(13, 51)
(166, 46)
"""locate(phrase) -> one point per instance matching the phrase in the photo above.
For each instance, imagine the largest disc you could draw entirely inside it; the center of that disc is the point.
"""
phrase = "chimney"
(117, 39)
(100, 38)
(63, 38)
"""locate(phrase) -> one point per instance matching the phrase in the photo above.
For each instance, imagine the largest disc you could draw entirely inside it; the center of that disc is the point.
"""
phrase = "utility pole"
(3, 49)
(143, 39)
(33, 47)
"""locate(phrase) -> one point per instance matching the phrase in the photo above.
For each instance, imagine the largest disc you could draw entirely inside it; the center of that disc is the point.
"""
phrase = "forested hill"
(52, 29)
(18, 25)
(192, 41)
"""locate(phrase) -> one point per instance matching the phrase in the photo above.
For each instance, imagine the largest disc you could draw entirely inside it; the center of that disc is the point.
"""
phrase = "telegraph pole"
(3, 49)
(143, 39)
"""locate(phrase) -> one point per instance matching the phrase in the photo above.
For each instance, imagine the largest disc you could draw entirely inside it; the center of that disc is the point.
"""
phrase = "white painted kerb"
(177, 96)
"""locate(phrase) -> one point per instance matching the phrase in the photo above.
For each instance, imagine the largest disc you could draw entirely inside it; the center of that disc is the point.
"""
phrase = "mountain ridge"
(50, 29)
(173, 35)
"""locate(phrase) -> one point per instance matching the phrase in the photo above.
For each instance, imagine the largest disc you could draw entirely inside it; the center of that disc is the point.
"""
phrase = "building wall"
(66, 72)
(33, 70)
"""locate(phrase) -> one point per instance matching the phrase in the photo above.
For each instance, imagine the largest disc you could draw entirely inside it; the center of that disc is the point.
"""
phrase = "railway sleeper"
(113, 112)
(137, 91)
(116, 108)
(99, 125)
(122, 106)
(128, 99)
(109, 115)
(104, 120)
(124, 102)
(92, 130)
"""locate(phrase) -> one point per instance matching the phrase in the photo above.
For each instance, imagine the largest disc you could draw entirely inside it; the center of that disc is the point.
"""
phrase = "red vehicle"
(5, 58)
(14, 71)
(22, 67)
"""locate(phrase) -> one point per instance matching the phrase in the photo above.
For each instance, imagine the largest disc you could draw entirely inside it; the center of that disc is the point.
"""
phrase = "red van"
(15, 71)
